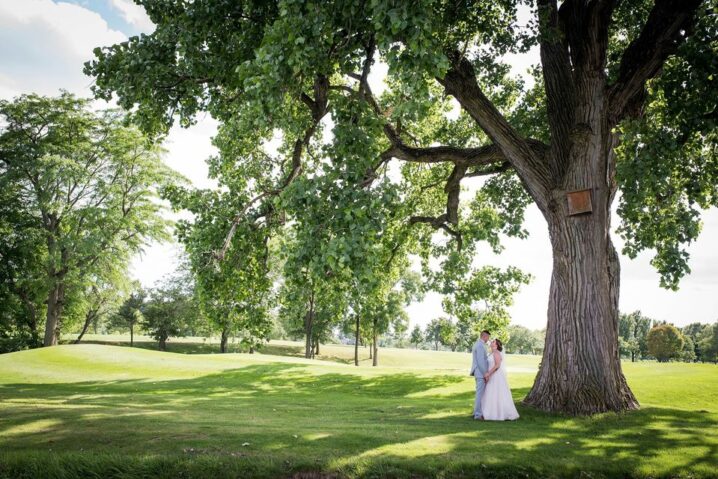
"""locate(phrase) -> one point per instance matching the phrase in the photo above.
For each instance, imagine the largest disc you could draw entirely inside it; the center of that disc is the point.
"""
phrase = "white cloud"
(43, 46)
(134, 15)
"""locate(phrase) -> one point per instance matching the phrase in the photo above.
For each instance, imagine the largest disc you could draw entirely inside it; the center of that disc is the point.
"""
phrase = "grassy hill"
(107, 411)
(391, 357)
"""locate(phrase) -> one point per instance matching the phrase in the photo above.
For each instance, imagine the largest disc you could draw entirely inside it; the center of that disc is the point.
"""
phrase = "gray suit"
(479, 366)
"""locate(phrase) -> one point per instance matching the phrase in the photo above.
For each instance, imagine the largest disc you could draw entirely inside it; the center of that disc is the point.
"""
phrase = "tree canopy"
(82, 192)
(607, 110)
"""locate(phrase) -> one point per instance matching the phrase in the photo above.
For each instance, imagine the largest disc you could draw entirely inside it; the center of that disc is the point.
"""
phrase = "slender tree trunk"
(308, 325)
(371, 355)
(89, 317)
(223, 340)
(316, 348)
(356, 343)
(55, 303)
(375, 346)
(132, 334)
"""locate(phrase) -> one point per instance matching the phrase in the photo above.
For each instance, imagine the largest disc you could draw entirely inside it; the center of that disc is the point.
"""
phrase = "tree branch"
(558, 82)
(318, 107)
(460, 82)
(585, 24)
(668, 24)
(439, 222)
(438, 154)
(453, 191)
(505, 166)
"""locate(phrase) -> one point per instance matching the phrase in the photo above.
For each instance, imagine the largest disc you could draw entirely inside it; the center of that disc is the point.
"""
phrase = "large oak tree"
(625, 97)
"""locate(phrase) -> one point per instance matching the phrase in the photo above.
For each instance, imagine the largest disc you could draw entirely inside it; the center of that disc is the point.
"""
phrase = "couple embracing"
(493, 395)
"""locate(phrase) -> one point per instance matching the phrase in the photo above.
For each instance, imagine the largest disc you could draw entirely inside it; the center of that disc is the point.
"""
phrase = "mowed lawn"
(99, 410)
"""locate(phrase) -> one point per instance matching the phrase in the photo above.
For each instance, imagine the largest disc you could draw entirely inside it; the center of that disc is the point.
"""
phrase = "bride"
(497, 403)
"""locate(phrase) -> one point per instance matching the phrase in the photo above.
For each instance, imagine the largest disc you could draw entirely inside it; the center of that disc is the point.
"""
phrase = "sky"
(44, 43)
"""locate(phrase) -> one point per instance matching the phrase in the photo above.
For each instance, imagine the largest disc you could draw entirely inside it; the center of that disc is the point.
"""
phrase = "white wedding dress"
(497, 403)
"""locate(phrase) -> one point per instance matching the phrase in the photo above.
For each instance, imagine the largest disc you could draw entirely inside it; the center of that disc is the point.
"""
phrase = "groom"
(479, 367)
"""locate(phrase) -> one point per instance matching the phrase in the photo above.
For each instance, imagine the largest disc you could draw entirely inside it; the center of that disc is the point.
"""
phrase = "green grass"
(105, 411)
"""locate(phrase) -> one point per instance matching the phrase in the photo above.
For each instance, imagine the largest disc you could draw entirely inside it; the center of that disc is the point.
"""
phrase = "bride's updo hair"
(499, 346)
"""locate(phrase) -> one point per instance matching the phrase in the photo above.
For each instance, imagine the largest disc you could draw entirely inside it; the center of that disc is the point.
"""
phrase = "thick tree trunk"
(356, 343)
(580, 372)
(251, 349)
(162, 344)
(55, 303)
(316, 348)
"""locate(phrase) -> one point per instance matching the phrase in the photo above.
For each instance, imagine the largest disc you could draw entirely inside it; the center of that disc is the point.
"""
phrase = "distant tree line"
(641, 337)
(446, 334)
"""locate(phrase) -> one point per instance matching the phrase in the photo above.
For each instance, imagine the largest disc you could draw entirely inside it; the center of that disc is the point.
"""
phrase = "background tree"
(521, 340)
(21, 271)
(441, 331)
(129, 315)
(665, 342)
(632, 332)
(170, 308)
(688, 352)
(90, 184)
(694, 331)
(417, 336)
(709, 343)
(234, 294)
(599, 118)
(100, 297)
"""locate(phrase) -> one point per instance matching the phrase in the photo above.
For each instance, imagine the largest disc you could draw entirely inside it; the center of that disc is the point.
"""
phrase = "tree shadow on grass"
(288, 417)
(174, 347)
(213, 348)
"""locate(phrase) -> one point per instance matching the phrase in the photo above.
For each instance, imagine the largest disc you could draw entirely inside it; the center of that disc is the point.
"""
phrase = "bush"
(665, 342)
